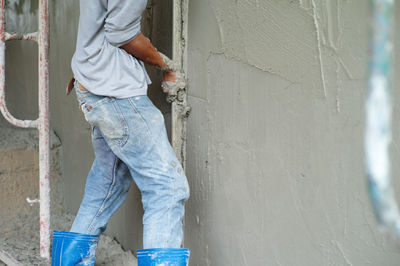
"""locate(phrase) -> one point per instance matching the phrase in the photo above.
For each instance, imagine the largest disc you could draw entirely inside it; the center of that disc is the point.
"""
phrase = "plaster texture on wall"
(275, 155)
(274, 138)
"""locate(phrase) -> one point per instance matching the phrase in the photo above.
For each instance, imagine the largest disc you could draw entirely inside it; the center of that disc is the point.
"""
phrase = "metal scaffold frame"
(42, 122)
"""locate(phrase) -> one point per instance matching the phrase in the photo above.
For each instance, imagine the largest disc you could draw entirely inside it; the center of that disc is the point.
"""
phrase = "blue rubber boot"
(163, 256)
(70, 249)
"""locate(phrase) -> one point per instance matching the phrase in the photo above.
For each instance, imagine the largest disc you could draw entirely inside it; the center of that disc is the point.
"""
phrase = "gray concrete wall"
(275, 135)
(275, 158)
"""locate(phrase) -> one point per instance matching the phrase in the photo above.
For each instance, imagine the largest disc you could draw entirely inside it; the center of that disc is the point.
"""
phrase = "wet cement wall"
(275, 135)
(275, 159)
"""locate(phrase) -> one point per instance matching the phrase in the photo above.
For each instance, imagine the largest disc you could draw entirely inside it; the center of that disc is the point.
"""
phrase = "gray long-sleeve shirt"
(98, 63)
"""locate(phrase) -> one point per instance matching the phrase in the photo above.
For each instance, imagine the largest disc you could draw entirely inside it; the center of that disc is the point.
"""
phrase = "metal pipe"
(378, 118)
(44, 129)
(42, 123)
(3, 106)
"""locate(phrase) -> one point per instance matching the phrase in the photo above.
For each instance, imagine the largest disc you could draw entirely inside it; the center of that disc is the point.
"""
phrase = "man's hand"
(168, 76)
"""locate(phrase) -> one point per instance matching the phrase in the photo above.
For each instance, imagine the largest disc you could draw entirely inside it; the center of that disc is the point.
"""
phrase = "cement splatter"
(317, 30)
(175, 90)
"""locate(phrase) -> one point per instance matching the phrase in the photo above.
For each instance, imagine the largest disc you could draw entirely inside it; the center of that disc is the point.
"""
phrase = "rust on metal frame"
(42, 123)
(44, 129)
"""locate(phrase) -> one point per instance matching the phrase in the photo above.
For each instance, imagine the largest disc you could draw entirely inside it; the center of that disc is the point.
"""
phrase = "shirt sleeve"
(122, 22)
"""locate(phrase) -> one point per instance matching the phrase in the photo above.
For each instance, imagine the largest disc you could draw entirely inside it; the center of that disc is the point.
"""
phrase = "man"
(128, 133)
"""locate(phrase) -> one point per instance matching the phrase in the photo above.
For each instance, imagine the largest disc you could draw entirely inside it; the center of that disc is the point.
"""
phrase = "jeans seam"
(144, 121)
(125, 136)
(101, 209)
(170, 210)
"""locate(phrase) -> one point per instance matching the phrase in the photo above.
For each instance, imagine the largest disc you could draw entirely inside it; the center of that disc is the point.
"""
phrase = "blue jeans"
(130, 142)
